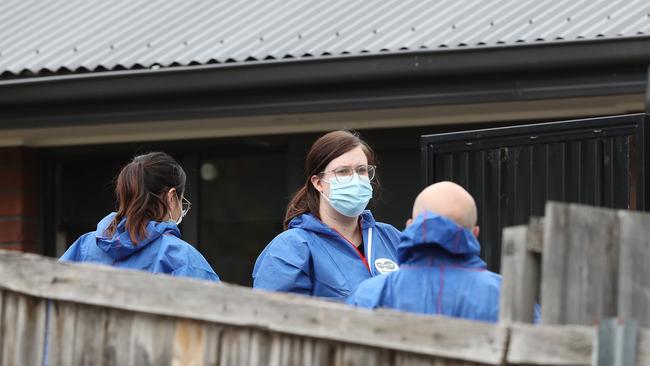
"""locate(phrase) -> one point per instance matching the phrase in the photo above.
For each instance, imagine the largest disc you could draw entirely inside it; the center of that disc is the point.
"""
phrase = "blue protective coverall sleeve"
(73, 254)
(284, 266)
(183, 260)
(193, 272)
(369, 293)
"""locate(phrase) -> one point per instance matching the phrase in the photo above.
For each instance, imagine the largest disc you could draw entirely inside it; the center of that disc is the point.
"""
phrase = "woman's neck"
(346, 226)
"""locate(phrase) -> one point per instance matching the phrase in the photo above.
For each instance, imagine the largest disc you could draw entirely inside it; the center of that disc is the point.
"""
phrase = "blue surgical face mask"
(351, 198)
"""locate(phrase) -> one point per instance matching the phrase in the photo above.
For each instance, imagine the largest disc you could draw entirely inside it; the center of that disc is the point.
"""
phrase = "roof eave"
(326, 70)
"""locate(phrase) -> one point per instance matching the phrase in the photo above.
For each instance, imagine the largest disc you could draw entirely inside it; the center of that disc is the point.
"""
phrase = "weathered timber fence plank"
(259, 348)
(189, 343)
(2, 331)
(61, 333)
(119, 345)
(9, 313)
(208, 324)
(512, 239)
(643, 353)
(321, 352)
(234, 305)
(31, 329)
(23, 329)
(550, 345)
(634, 267)
(520, 268)
(213, 345)
(536, 235)
(152, 338)
(89, 335)
(580, 258)
(286, 351)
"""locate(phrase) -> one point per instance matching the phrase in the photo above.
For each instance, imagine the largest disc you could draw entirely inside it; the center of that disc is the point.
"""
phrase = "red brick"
(12, 246)
(11, 203)
(11, 231)
(18, 203)
(18, 198)
(11, 178)
(18, 231)
(18, 177)
(12, 156)
(21, 247)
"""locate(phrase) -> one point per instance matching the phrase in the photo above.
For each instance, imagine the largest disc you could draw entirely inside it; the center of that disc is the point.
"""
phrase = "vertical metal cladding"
(513, 171)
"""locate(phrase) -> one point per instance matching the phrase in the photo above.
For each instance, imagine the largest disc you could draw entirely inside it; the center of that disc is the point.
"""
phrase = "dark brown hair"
(141, 189)
(327, 148)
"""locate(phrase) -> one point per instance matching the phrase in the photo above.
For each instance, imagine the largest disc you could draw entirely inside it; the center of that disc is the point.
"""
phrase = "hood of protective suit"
(119, 245)
(438, 237)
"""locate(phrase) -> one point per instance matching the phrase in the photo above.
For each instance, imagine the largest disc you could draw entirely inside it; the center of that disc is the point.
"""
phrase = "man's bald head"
(447, 199)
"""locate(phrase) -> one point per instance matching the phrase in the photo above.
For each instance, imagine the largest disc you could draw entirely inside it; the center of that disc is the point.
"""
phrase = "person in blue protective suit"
(330, 243)
(440, 269)
(143, 234)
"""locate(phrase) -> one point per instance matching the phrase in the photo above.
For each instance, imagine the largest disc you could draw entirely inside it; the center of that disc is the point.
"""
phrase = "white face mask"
(183, 212)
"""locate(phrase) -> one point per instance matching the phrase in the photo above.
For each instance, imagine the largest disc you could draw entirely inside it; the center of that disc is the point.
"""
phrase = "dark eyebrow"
(350, 166)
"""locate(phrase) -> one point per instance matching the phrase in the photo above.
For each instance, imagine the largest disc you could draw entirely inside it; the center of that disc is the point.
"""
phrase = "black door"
(513, 171)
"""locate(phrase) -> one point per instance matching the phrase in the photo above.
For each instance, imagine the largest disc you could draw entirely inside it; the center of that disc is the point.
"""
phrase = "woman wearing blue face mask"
(143, 234)
(330, 243)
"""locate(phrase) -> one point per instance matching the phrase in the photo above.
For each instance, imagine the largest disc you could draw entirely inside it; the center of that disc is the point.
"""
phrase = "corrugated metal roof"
(41, 37)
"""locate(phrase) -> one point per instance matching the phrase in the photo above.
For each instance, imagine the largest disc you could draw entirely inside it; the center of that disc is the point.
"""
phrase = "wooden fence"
(71, 314)
(582, 263)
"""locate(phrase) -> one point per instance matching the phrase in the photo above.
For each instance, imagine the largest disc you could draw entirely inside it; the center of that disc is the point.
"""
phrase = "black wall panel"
(513, 171)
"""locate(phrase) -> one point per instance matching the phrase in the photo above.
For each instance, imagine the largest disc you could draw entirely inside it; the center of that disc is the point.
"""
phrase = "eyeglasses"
(344, 174)
(185, 206)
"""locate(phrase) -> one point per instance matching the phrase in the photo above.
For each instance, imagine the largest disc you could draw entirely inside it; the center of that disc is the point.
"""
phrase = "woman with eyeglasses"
(330, 243)
(143, 234)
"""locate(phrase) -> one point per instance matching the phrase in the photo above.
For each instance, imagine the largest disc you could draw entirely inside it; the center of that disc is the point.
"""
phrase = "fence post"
(520, 269)
(579, 264)
(617, 343)
(634, 267)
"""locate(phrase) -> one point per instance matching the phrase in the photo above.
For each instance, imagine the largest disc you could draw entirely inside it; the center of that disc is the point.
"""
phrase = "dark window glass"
(243, 199)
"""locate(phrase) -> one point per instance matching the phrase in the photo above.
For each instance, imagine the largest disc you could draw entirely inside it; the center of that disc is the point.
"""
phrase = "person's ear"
(409, 222)
(316, 182)
(171, 197)
(475, 231)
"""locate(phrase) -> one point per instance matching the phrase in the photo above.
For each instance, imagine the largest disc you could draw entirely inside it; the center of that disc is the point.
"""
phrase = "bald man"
(440, 271)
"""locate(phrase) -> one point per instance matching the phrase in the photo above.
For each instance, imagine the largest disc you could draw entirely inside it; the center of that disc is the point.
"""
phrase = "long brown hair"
(141, 189)
(327, 148)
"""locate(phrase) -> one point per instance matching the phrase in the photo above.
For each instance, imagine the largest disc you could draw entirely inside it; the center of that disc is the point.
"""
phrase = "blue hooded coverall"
(440, 273)
(162, 250)
(311, 258)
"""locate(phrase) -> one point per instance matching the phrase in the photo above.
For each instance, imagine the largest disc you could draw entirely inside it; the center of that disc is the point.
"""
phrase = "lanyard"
(369, 256)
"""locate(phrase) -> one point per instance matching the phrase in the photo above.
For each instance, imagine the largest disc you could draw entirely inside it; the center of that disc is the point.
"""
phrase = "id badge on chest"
(380, 265)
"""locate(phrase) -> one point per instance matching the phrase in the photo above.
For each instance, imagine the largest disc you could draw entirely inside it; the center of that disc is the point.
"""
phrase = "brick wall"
(18, 199)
